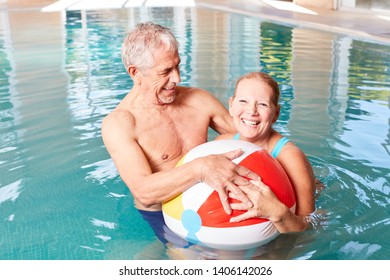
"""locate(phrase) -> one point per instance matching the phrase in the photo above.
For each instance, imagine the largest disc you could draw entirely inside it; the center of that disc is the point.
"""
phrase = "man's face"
(163, 77)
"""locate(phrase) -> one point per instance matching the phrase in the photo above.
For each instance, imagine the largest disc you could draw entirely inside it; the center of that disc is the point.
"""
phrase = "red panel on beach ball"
(272, 174)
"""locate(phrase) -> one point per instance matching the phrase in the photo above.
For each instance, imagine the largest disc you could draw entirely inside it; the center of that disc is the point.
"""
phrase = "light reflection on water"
(60, 194)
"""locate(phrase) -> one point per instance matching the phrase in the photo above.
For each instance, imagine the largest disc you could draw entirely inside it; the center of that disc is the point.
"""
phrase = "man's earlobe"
(132, 71)
(135, 74)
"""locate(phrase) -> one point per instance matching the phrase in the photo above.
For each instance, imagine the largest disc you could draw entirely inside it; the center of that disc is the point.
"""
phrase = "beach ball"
(197, 214)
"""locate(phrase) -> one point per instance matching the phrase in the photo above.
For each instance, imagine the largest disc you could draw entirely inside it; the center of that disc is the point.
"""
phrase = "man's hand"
(223, 175)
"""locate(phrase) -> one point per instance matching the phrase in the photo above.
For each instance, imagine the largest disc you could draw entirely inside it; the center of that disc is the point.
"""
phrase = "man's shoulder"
(195, 90)
(119, 114)
(196, 94)
(117, 118)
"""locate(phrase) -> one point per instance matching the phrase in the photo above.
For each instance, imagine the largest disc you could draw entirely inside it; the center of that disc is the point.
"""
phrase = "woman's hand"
(265, 203)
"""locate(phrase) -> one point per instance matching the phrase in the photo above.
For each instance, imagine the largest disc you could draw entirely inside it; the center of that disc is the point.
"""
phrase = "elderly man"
(158, 122)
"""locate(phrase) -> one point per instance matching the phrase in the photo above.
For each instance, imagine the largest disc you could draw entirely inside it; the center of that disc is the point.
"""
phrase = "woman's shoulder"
(291, 152)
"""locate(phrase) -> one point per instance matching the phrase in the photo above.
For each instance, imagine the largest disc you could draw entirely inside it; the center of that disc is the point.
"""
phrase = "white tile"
(288, 6)
(97, 4)
(170, 3)
(59, 5)
(134, 3)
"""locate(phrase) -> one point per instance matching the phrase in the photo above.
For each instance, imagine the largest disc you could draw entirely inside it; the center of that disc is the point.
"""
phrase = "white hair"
(140, 43)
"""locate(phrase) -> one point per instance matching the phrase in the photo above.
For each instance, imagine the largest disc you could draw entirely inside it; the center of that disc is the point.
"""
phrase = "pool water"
(61, 73)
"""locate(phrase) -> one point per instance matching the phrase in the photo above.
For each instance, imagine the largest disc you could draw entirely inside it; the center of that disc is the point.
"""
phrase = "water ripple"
(10, 192)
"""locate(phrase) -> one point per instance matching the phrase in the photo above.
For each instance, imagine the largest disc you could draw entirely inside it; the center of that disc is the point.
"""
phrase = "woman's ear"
(277, 113)
(230, 105)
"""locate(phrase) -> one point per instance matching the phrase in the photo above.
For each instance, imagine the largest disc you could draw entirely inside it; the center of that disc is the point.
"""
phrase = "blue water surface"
(60, 74)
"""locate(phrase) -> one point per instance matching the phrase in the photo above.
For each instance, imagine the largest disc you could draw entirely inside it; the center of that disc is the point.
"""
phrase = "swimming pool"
(61, 73)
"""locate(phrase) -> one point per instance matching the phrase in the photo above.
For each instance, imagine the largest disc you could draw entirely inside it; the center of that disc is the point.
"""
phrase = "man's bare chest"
(164, 144)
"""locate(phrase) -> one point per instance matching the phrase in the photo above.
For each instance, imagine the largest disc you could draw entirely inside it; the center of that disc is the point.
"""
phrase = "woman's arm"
(267, 205)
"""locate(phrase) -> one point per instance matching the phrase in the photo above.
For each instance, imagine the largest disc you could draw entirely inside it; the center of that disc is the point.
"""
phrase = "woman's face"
(253, 110)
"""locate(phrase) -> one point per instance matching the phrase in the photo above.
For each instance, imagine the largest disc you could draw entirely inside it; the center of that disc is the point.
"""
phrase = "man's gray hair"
(140, 44)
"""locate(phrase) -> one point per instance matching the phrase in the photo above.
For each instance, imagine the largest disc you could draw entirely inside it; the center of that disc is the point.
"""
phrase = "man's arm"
(151, 189)
(220, 119)
(133, 166)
